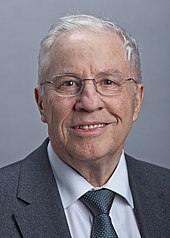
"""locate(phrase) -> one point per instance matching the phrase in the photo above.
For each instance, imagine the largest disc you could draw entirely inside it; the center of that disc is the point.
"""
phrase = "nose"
(89, 99)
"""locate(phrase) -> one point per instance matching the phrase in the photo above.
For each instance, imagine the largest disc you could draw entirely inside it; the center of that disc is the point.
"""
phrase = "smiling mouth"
(90, 127)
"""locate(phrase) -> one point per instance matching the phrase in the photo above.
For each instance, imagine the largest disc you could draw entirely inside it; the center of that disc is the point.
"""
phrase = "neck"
(98, 172)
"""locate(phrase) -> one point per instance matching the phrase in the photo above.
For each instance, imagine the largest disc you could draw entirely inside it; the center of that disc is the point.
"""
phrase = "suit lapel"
(148, 199)
(40, 213)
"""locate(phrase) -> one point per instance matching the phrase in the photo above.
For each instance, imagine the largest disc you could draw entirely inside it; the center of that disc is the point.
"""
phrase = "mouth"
(87, 127)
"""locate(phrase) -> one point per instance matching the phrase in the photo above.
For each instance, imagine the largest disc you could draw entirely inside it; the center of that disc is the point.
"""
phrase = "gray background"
(22, 25)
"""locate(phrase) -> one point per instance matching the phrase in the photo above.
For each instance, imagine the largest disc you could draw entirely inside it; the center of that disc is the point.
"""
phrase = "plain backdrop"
(22, 25)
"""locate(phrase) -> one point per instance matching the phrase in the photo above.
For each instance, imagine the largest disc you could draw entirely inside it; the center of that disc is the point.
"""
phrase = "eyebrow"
(109, 72)
(65, 73)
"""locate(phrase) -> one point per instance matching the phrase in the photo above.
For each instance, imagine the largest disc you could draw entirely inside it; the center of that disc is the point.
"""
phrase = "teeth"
(88, 127)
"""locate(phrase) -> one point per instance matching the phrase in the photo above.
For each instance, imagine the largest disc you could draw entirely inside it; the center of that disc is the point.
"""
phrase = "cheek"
(57, 113)
(50, 108)
(122, 108)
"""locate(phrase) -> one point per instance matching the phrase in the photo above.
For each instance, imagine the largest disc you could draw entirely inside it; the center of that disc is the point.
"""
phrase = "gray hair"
(89, 23)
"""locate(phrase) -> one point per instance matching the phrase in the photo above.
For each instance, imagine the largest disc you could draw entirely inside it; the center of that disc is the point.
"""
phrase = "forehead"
(77, 51)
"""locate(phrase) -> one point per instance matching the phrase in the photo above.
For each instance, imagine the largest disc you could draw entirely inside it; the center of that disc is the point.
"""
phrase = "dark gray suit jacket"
(30, 204)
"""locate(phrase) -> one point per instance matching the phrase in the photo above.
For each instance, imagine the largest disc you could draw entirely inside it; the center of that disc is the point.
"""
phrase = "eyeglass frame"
(82, 80)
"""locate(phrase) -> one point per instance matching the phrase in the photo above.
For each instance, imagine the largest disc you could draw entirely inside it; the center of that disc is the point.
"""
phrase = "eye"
(113, 83)
(69, 83)
(109, 82)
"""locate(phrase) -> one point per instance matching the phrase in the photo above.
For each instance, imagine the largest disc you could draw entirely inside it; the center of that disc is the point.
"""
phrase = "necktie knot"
(98, 201)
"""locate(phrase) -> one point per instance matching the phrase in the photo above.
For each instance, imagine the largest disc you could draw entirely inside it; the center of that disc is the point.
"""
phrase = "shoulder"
(148, 174)
(136, 164)
(9, 175)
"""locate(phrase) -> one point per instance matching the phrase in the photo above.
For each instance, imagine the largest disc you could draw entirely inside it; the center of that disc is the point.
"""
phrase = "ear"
(138, 101)
(39, 101)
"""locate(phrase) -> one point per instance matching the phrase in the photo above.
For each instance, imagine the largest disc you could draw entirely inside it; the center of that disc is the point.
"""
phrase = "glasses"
(69, 84)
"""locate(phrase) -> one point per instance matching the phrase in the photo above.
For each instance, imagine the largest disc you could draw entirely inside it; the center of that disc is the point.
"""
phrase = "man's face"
(89, 126)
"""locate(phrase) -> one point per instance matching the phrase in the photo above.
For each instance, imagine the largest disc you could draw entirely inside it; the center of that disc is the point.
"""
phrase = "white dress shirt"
(72, 186)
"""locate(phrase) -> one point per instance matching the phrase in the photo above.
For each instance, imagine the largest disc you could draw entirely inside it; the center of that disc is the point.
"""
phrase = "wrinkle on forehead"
(80, 46)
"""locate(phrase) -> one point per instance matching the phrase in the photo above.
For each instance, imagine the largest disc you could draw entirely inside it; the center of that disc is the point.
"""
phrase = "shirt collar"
(72, 185)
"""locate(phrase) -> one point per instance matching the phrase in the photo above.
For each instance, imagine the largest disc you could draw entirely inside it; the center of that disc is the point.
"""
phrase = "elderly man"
(79, 183)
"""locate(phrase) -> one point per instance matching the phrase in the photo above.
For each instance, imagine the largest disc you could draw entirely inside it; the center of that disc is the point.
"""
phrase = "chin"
(89, 155)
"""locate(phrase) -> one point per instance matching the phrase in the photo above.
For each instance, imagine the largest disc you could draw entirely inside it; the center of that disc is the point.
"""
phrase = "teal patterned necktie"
(99, 203)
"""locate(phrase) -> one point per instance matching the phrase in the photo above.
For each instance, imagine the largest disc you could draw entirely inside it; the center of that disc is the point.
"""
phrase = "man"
(89, 93)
